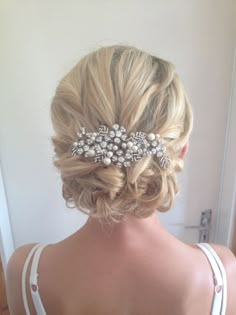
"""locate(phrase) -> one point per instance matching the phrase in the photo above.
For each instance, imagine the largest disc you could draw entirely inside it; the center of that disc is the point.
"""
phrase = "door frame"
(226, 214)
(6, 237)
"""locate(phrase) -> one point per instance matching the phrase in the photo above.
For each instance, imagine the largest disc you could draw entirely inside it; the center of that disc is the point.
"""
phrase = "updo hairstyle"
(124, 85)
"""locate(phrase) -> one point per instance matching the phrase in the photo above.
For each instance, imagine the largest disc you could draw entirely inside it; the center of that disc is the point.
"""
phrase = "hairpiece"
(115, 146)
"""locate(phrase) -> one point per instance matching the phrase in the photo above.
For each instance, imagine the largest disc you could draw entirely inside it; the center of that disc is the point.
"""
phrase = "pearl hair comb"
(115, 146)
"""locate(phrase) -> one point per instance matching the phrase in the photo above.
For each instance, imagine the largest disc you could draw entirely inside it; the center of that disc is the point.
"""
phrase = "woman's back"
(152, 274)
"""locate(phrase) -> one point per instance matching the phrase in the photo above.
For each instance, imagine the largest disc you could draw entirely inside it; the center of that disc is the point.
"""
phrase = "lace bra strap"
(23, 280)
(219, 301)
(223, 273)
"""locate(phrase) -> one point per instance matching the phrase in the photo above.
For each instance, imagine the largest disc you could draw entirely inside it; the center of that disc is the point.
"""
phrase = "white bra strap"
(217, 300)
(223, 273)
(34, 282)
(23, 280)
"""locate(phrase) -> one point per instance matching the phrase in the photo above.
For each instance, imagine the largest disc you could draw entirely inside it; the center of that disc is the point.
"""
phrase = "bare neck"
(126, 230)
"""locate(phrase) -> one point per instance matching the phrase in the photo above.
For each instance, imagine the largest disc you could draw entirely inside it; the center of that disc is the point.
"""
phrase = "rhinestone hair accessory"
(116, 147)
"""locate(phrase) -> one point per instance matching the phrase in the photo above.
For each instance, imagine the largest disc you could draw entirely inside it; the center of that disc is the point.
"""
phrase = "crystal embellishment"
(113, 145)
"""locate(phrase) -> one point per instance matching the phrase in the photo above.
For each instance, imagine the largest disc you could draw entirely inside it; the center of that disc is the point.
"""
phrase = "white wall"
(227, 204)
(41, 40)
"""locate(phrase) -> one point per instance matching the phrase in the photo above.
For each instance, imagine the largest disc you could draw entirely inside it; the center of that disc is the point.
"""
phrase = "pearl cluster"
(115, 146)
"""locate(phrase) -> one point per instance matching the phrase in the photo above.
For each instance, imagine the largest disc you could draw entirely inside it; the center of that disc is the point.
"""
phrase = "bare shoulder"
(229, 261)
(17, 259)
(13, 278)
(226, 255)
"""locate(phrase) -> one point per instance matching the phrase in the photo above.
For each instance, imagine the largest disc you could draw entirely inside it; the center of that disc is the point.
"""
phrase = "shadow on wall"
(3, 297)
(6, 237)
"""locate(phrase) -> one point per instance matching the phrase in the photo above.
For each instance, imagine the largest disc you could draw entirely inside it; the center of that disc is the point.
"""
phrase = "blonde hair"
(124, 85)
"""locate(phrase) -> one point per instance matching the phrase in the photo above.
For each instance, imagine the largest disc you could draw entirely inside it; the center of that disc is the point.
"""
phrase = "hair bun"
(141, 92)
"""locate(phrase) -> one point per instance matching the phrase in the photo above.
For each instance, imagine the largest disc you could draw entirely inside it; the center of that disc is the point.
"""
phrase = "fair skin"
(132, 268)
(184, 151)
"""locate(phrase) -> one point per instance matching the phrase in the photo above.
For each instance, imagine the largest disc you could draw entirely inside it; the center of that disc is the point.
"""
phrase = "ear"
(184, 151)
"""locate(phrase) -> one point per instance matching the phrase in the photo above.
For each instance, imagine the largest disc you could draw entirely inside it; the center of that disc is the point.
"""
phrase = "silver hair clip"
(115, 146)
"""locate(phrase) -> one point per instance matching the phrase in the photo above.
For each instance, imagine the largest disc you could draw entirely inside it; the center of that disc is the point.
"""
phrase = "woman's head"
(124, 85)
